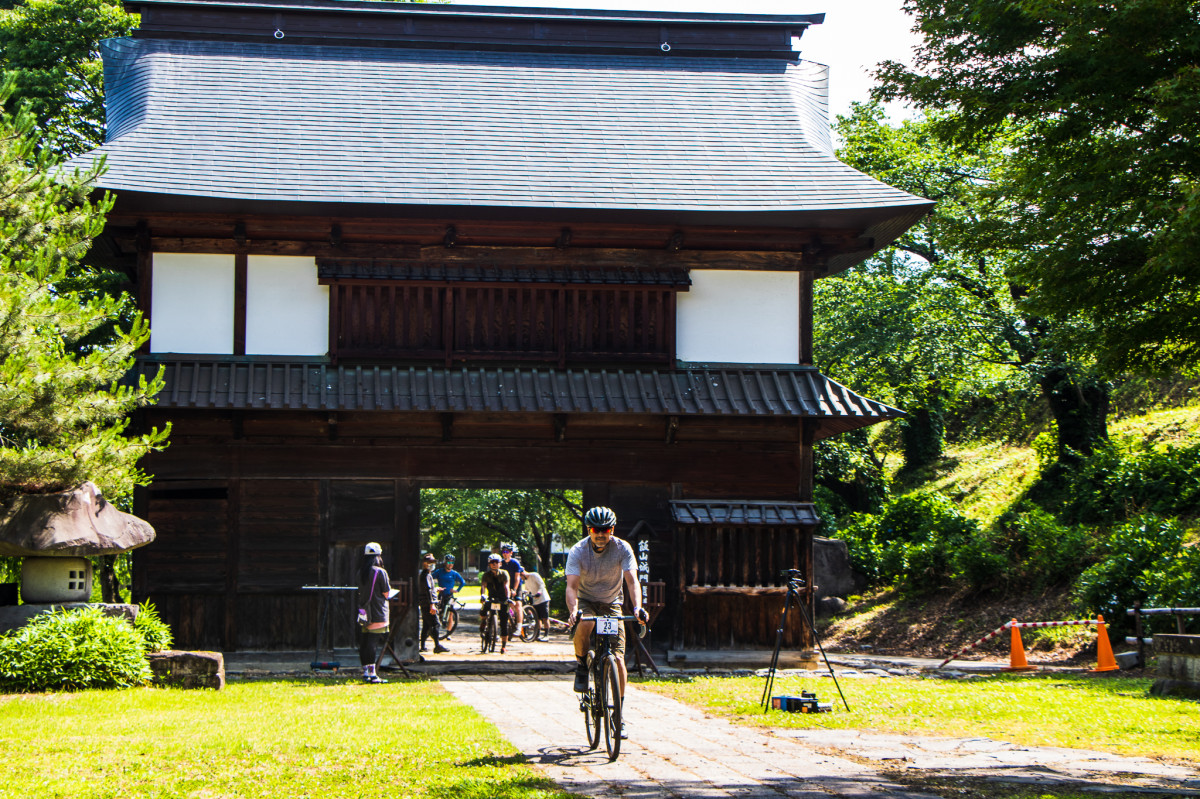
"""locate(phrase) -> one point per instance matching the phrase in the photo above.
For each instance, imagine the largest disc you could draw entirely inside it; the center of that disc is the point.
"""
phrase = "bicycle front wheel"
(610, 706)
(489, 633)
(590, 704)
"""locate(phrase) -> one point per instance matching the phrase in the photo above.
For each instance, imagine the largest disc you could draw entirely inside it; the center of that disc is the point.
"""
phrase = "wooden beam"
(569, 258)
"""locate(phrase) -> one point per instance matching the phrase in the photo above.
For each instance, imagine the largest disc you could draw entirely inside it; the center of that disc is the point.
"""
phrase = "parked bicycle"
(602, 703)
(448, 608)
(526, 627)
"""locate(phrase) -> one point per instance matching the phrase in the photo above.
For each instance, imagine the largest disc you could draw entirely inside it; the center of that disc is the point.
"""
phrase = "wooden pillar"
(806, 318)
(240, 270)
(406, 533)
(232, 545)
(808, 429)
(807, 640)
(145, 276)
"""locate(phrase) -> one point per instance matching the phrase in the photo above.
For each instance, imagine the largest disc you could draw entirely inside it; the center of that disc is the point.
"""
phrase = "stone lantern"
(56, 533)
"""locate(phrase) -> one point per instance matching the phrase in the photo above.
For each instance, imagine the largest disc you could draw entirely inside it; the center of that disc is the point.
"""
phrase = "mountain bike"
(448, 608)
(602, 703)
(489, 627)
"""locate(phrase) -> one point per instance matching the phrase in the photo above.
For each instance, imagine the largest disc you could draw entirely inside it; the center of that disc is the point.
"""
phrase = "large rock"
(175, 669)
(79, 522)
(831, 569)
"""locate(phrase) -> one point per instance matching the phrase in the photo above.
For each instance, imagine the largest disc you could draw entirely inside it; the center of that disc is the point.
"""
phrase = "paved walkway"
(679, 752)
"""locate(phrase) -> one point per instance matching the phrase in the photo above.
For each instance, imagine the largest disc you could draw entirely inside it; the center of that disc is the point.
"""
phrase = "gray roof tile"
(305, 385)
(508, 129)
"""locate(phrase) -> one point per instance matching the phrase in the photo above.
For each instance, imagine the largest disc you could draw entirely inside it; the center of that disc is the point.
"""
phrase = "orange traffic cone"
(1104, 654)
(1016, 657)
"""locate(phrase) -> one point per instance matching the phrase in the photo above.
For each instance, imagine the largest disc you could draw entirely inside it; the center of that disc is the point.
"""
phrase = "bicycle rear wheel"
(528, 624)
(610, 707)
(449, 622)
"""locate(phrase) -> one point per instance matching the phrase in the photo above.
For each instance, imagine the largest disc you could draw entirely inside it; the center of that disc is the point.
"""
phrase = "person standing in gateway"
(596, 568)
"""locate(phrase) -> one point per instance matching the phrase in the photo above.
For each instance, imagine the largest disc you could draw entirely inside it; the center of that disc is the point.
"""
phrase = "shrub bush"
(1143, 560)
(154, 631)
(1051, 553)
(911, 543)
(556, 584)
(1111, 486)
(72, 650)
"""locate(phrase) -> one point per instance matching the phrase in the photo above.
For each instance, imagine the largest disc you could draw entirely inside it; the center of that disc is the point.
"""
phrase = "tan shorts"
(589, 608)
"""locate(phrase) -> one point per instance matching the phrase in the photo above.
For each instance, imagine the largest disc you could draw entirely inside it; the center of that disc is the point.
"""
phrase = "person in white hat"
(374, 591)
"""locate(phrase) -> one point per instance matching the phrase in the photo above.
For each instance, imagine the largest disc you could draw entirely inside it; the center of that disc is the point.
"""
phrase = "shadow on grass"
(499, 780)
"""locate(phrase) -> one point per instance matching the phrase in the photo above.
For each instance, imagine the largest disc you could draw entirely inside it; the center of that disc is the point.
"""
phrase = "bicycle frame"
(602, 703)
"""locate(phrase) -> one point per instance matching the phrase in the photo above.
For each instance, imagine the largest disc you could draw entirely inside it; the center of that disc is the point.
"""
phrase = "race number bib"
(608, 625)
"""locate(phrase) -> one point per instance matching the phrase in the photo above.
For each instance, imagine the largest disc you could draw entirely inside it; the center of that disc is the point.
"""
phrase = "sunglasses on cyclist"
(605, 530)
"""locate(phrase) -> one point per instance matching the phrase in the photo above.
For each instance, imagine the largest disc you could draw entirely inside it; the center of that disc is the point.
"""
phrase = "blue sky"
(857, 34)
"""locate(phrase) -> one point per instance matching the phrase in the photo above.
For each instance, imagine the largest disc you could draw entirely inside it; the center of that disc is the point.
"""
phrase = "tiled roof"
(457, 128)
(744, 513)
(352, 269)
(233, 384)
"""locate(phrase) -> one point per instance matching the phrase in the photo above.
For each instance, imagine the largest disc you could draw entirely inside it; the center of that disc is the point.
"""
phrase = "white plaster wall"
(732, 316)
(287, 313)
(191, 305)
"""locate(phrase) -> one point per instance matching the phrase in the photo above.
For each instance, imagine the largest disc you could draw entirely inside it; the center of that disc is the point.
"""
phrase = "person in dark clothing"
(493, 587)
(513, 566)
(427, 594)
(374, 591)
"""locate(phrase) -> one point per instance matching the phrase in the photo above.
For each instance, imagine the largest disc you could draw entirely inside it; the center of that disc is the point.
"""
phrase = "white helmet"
(372, 549)
(494, 558)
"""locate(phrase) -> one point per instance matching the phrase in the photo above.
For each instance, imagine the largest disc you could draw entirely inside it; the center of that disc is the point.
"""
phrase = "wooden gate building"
(387, 246)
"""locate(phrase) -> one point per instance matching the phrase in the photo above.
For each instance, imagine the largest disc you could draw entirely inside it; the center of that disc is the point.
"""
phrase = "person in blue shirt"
(449, 581)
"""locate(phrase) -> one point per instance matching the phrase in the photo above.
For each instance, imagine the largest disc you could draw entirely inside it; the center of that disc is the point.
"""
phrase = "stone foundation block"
(175, 669)
(1178, 665)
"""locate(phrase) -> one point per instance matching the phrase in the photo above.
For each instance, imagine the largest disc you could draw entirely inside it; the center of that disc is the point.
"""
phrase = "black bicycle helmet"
(601, 517)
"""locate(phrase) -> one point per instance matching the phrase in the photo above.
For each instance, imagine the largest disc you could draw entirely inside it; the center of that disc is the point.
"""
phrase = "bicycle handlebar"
(642, 628)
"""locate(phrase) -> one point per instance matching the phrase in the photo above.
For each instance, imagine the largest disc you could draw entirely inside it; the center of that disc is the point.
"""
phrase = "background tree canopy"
(943, 316)
(63, 408)
(475, 519)
(1104, 171)
(50, 49)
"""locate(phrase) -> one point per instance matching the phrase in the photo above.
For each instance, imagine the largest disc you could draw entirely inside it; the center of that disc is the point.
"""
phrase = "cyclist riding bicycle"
(493, 587)
(597, 567)
(449, 581)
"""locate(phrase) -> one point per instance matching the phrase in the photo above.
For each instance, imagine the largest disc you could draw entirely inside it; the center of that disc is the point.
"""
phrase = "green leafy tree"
(64, 401)
(50, 48)
(484, 518)
(945, 313)
(1104, 177)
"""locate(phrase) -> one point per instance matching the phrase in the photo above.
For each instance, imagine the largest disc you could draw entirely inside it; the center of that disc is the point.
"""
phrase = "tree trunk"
(110, 586)
(923, 432)
(1079, 404)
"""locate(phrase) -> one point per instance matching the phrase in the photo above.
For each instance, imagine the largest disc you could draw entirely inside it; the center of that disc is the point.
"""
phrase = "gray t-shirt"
(601, 574)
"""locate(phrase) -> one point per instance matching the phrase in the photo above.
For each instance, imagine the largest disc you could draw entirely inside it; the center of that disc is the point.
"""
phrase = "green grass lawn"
(1111, 714)
(283, 740)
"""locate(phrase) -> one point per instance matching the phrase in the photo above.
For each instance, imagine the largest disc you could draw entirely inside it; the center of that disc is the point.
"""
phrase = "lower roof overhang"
(305, 385)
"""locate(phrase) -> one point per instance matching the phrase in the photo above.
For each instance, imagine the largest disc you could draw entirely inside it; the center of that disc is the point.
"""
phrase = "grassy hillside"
(985, 480)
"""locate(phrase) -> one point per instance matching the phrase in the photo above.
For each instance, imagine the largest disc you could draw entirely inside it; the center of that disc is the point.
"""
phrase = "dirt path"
(679, 752)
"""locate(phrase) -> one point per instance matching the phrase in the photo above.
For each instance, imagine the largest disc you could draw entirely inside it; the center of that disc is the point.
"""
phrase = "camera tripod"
(794, 585)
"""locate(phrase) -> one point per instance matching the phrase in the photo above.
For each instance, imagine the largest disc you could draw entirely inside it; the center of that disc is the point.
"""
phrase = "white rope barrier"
(1011, 624)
